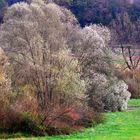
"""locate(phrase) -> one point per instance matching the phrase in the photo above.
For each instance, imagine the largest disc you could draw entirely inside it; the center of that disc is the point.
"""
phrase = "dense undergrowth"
(118, 126)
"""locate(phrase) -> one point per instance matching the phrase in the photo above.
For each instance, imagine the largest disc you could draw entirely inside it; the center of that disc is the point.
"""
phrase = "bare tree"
(131, 57)
(126, 38)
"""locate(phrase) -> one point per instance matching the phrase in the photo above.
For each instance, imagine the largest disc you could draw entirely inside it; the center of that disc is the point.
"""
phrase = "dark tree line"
(96, 11)
(101, 11)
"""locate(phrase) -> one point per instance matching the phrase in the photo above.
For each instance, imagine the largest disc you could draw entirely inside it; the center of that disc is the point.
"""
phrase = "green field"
(134, 102)
(118, 126)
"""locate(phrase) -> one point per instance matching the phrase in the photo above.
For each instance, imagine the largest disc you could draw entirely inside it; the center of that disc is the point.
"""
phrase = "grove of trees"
(55, 76)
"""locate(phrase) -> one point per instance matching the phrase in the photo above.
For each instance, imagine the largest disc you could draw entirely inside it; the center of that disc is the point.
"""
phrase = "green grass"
(134, 102)
(118, 126)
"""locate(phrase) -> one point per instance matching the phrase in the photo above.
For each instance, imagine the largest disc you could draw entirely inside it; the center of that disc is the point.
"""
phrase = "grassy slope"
(118, 126)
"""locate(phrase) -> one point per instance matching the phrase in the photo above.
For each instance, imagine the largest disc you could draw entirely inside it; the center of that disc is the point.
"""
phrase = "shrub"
(133, 81)
(72, 119)
(14, 122)
(28, 125)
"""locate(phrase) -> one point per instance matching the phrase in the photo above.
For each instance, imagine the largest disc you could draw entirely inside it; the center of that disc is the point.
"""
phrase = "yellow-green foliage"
(4, 80)
(68, 80)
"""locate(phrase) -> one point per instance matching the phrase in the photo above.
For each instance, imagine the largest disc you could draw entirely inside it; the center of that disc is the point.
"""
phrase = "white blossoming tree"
(90, 44)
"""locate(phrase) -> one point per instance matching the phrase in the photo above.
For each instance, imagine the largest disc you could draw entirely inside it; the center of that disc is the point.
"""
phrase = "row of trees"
(58, 72)
(119, 15)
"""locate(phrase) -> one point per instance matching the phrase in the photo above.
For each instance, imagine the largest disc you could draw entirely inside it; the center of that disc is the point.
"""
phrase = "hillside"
(101, 11)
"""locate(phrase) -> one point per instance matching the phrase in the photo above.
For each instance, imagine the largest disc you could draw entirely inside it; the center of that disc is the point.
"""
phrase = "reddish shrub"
(71, 119)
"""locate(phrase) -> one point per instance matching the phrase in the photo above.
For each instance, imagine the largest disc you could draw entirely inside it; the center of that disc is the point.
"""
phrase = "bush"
(132, 79)
(28, 125)
(15, 122)
(90, 118)
(73, 119)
